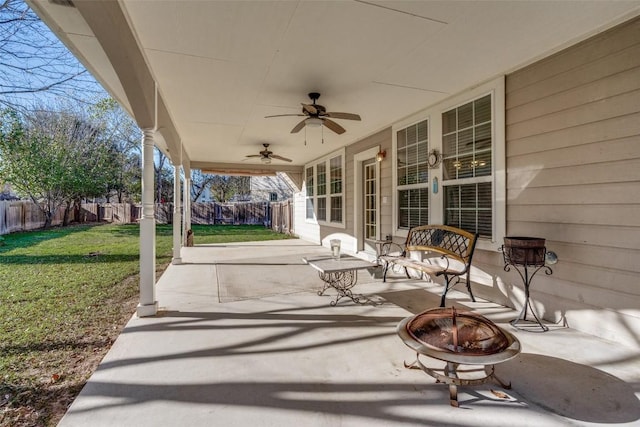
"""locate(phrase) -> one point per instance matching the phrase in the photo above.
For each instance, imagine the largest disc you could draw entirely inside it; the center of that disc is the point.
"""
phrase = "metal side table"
(339, 274)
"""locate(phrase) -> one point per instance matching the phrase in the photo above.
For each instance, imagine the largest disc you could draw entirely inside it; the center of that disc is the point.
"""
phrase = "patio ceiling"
(221, 66)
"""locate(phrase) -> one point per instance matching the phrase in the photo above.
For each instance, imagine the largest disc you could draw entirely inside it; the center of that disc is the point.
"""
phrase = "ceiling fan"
(317, 115)
(266, 155)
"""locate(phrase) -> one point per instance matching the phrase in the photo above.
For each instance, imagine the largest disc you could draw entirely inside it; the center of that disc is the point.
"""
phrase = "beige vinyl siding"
(386, 187)
(573, 177)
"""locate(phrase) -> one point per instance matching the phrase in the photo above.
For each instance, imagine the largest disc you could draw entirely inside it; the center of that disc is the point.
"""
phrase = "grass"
(65, 294)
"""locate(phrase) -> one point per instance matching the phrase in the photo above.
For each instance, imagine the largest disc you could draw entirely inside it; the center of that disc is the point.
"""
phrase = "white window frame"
(396, 189)
(328, 195)
(307, 197)
(433, 114)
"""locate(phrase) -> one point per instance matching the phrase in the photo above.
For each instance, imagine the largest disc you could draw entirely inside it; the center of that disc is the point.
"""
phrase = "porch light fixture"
(265, 160)
(381, 155)
(313, 122)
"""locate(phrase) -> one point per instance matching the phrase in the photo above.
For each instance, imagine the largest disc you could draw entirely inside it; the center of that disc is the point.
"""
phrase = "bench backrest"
(451, 241)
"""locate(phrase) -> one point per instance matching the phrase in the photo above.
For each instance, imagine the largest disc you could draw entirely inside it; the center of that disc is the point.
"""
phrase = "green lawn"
(65, 293)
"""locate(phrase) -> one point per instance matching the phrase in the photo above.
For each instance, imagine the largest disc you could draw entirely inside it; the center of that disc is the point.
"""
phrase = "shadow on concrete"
(352, 399)
(572, 390)
(290, 324)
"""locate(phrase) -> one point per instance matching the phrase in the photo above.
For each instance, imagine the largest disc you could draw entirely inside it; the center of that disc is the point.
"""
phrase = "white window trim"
(413, 120)
(433, 114)
(325, 159)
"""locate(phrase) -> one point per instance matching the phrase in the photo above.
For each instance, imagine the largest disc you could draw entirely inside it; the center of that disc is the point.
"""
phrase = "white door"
(366, 212)
(370, 200)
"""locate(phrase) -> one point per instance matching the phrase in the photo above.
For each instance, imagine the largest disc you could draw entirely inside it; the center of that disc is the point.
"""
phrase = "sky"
(32, 58)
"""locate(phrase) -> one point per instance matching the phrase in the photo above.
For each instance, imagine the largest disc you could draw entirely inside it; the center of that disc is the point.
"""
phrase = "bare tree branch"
(34, 63)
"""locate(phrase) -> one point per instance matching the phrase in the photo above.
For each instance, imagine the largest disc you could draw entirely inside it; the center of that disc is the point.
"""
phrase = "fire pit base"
(459, 339)
(450, 376)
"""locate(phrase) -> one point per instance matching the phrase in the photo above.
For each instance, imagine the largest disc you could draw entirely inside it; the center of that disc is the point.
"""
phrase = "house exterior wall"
(263, 186)
(313, 232)
(573, 177)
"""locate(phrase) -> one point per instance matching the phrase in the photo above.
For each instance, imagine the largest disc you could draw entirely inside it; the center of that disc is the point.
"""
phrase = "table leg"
(327, 283)
(342, 282)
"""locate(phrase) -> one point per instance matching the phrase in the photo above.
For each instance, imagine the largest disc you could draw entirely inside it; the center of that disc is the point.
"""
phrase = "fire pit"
(457, 338)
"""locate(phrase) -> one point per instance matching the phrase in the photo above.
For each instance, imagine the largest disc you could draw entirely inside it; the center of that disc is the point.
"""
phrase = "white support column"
(177, 217)
(148, 306)
(187, 204)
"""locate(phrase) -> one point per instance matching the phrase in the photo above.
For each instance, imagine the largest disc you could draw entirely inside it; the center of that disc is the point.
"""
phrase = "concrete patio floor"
(243, 339)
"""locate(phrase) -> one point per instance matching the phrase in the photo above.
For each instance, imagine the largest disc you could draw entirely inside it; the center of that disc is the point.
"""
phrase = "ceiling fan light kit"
(313, 122)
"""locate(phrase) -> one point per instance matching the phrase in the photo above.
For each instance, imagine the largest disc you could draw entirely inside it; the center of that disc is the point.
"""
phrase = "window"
(412, 174)
(273, 197)
(309, 184)
(467, 189)
(326, 205)
(336, 189)
(321, 199)
(467, 170)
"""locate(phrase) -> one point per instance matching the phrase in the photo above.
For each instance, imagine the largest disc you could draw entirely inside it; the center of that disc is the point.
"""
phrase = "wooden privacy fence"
(24, 215)
(282, 217)
(231, 213)
(275, 215)
(118, 213)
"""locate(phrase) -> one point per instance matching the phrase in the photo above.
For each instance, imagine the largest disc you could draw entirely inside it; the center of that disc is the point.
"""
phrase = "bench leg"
(384, 275)
(444, 291)
(469, 287)
(448, 286)
(406, 272)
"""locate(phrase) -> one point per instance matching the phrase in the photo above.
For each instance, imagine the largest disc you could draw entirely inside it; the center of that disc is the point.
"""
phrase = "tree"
(224, 188)
(117, 127)
(163, 173)
(34, 61)
(31, 165)
(54, 158)
(200, 182)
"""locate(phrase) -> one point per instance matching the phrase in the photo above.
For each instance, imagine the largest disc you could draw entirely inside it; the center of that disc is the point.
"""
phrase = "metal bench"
(455, 247)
